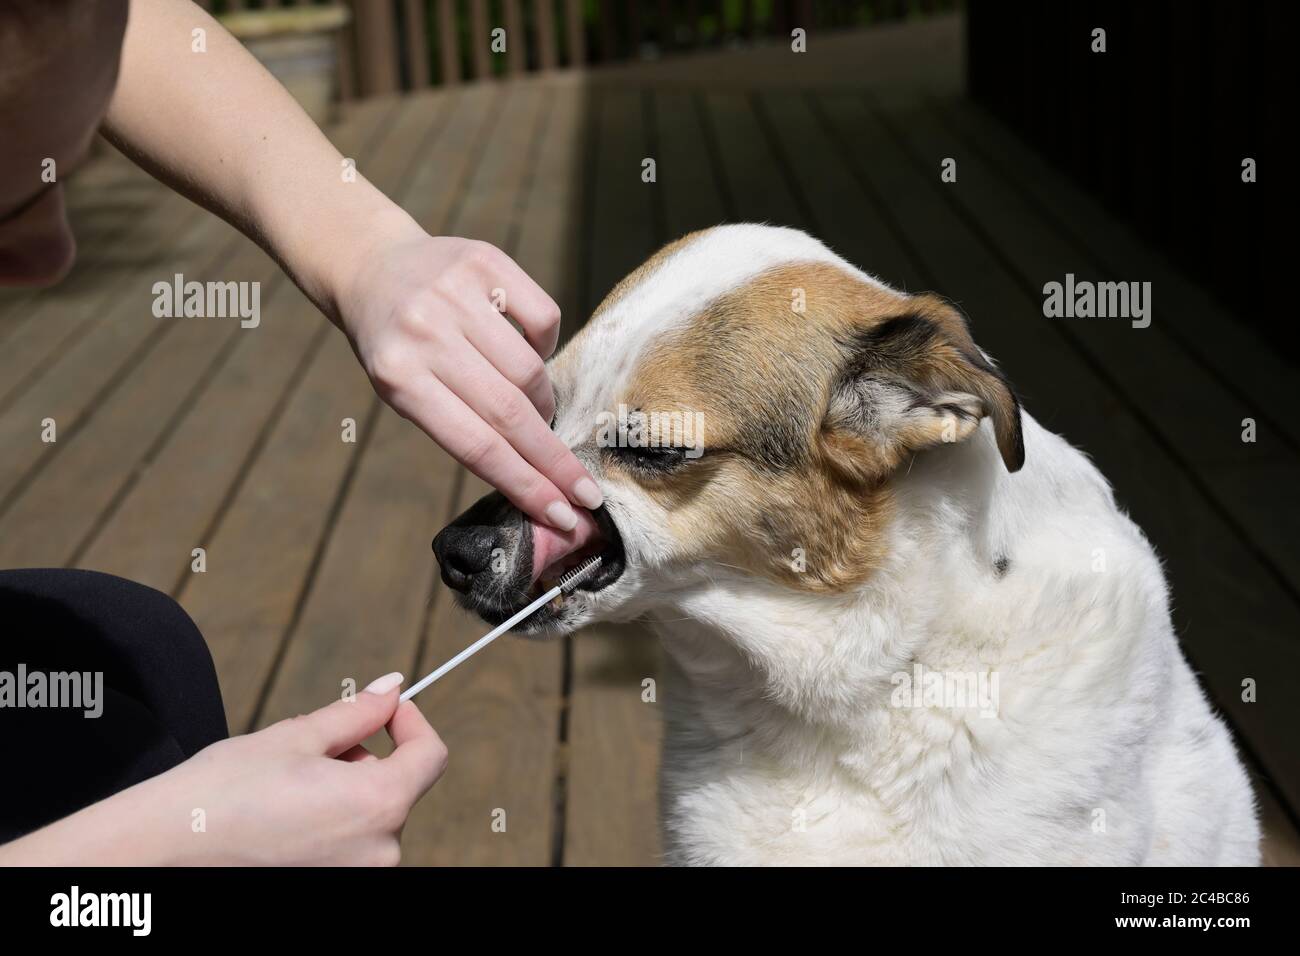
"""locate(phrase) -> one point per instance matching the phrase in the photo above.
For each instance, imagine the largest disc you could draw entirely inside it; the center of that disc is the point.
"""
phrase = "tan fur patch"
(781, 490)
(766, 495)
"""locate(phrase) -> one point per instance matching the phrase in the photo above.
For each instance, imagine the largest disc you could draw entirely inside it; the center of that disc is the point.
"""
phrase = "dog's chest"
(743, 783)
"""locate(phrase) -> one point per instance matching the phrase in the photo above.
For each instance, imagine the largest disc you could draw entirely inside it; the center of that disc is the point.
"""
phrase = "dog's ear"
(913, 381)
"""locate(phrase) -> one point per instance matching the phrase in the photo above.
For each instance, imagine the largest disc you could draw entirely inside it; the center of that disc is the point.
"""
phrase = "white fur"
(784, 741)
(709, 264)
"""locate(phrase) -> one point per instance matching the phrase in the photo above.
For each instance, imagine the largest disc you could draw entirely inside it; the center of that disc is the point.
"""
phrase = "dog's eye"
(652, 459)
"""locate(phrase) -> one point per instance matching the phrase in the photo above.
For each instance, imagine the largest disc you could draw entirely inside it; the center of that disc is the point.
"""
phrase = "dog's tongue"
(551, 546)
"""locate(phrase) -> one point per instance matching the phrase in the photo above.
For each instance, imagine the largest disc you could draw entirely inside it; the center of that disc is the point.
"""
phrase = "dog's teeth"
(545, 584)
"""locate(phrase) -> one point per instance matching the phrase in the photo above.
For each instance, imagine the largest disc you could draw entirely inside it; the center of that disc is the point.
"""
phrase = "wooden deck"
(187, 433)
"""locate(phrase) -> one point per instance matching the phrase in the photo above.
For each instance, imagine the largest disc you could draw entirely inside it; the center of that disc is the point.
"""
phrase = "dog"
(905, 624)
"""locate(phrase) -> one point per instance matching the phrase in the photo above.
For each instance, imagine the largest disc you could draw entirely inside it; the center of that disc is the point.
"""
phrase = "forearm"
(218, 127)
(122, 830)
(434, 320)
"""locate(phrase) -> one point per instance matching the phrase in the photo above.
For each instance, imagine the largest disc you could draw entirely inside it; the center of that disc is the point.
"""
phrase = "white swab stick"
(570, 580)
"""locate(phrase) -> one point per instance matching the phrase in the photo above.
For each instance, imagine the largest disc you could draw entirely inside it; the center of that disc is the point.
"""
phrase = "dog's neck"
(802, 675)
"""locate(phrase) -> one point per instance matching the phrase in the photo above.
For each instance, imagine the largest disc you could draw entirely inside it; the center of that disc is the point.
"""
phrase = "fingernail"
(587, 493)
(561, 515)
(382, 685)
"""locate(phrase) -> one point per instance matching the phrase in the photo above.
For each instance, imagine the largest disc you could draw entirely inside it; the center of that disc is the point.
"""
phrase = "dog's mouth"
(555, 553)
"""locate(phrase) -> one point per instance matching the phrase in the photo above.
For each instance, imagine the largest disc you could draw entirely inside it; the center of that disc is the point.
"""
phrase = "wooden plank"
(375, 27)
(615, 711)
(665, 25)
(159, 224)
(367, 602)
(1163, 383)
(345, 45)
(501, 711)
(448, 43)
(548, 56)
(121, 217)
(924, 55)
(417, 43)
(748, 163)
(551, 227)
(857, 229)
(516, 38)
(72, 387)
(266, 541)
(1204, 329)
(612, 736)
(167, 503)
(1234, 620)
(176, 493)
(632, 17)
(59, 318)
(499, 714)
(106, 198)
(403, 487)
(622, 233)
(576, 31)
(607, 30)
(46, 522)
(692, 194)
(611, 779)
(613, 749)
(47, 518)
(480, 41)
(269, 544)
(85, 368)
(15, 307)
(106, 201)
(490, 206)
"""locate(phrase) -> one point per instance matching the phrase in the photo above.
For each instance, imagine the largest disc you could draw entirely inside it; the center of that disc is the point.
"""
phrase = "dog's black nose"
(464, 551)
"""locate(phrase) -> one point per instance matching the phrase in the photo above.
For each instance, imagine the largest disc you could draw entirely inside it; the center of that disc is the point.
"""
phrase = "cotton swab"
(566, 584)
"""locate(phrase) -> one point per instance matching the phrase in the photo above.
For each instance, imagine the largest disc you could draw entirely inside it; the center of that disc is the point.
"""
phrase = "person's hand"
(427, 316)
(303, 791)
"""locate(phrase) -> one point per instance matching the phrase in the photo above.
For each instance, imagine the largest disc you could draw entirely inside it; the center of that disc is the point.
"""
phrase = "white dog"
(890, 642)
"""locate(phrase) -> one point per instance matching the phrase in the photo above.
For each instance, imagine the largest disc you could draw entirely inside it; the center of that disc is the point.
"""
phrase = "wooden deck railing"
(391, 45)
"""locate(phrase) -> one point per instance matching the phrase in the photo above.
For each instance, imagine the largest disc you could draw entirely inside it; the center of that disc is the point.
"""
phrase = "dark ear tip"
(1014, 456)
(1011, 434)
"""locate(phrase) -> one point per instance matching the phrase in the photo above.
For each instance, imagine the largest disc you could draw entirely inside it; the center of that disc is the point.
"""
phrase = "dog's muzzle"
(496, 561)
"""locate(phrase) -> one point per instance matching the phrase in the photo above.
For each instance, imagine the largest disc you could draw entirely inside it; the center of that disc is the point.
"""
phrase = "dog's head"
(744, 399)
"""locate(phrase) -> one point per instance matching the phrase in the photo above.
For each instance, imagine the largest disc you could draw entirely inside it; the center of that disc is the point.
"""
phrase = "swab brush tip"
(566, 583)
(576, 576)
